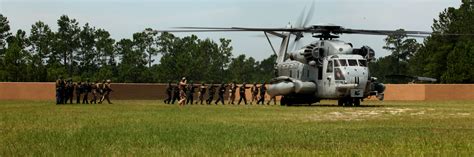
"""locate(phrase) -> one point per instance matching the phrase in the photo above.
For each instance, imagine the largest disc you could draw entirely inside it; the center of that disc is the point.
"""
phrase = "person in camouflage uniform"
(212, 92)
(87, 89)
(95, 92)
(220, 94)
(60, 85)
(254, 92)
(202, 92)
(175, 93)
(232, 91)
(79, 90)
(169, 92)
(242, 93)
(107, 88)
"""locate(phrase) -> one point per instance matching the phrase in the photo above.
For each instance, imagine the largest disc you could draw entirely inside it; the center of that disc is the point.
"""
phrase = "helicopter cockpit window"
(343, 62)
(336, 63)
(362, 63)
(352, 62)
(329, 67)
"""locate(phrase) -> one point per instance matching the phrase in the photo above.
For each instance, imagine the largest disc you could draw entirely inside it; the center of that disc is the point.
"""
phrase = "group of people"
(66, 90)
(184, 93)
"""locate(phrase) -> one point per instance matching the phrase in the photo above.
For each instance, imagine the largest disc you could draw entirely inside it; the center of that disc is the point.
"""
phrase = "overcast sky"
(124, 17)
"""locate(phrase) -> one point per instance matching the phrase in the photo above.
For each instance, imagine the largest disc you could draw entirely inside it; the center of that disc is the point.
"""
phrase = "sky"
(122, 18)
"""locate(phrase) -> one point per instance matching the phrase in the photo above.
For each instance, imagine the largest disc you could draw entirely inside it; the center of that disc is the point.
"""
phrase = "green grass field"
(152, 128)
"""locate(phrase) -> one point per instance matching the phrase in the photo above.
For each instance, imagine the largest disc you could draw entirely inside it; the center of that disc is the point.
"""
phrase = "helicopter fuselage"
(326, 69)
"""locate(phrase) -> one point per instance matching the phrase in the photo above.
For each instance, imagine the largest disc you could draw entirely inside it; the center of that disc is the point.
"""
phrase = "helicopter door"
(329, 71)
(329, 85)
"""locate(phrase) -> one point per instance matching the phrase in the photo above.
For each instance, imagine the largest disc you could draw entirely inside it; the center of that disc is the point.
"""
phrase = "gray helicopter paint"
(297, 68)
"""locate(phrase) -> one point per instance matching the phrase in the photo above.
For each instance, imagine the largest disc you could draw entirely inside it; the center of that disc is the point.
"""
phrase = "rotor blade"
(311, 29)
(202, 27)
(420, 34)
(204, 30)
(417, 36)
(426, 79)
(451, 34)
(250, 29)
(309, 16)
(272, 29)
(380, 32)
(299, 21)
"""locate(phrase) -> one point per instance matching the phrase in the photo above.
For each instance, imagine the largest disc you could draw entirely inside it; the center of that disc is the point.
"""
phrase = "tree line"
(447, 55)
(86, 52)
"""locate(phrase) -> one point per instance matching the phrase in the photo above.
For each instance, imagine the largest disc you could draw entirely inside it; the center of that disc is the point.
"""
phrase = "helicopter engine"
(311, 54)
(365, 51)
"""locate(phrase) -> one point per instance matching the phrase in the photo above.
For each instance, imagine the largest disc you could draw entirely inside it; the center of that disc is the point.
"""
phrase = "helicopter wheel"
(349, 102)
(356, 102)
(283, 101)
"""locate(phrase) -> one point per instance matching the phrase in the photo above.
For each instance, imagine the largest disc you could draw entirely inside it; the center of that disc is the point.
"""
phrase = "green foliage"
(385, 66)
(16, 57)
(243, 69)
(147, 42)
(41, 38)
(459, 64)
(67, 42)
(266, 69)
(402, 49)
(448, 57)
(133, 62)
(4, 32)
(86, 52)
(4, 35)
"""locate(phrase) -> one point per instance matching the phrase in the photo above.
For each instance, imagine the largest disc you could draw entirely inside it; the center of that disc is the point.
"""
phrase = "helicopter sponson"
(284, 85)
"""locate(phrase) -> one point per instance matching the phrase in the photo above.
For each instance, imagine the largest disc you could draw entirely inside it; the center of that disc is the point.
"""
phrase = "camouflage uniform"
(242, 94)
(106, 92)
(232, 91)
(202, 92)
(169, 91)
(59, 91)
(79, 90)
(190, 93)
(212, 92)
(263, 90)
(221, 93)
(254, 91)
(87, 89)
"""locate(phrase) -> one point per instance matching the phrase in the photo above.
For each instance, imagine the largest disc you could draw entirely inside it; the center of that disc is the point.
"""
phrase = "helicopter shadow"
(334, 105)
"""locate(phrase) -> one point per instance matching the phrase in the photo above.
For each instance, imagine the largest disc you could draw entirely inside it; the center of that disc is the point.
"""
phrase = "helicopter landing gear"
(356, 102)
(283, 101)
(347, 102)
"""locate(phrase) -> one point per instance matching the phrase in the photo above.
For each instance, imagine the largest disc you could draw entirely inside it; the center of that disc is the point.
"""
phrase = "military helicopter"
(327, 68)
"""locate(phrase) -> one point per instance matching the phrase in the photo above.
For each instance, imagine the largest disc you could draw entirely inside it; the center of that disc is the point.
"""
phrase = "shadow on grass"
(334, 105)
